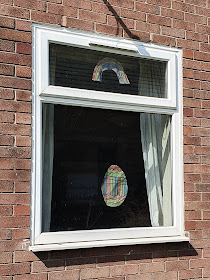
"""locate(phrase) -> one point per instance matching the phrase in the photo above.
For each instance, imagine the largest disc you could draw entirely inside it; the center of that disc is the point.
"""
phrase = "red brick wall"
(180, 23)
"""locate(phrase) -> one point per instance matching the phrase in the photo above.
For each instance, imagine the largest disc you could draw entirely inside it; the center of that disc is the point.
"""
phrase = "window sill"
(91, 244)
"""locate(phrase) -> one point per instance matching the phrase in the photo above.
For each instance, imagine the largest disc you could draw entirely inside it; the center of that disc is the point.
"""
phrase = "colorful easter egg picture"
(114, 187)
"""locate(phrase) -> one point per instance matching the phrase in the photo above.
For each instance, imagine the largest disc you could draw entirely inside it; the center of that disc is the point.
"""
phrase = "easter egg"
(114, 187)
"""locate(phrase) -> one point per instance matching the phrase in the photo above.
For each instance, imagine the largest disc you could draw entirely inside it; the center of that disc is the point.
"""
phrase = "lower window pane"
(104, 169)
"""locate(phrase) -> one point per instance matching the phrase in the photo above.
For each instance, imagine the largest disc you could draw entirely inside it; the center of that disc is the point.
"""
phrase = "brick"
(14, 58)
(192, 254)
(5, 258)
(14, 12)
(192, 215)
(23, 25)
(189, 187)
(206, 253)
(101, 28)
(181, 24)
(165, 255)
(12, 198)
(23, 118)
(92, 16)
(7, 70)
(6, 163)
(133, 14)
(192, 197)
(19, 129)
(147, 27)
(50, 265)
(22, 187)
(77, 263)
(14, 106)
(199, 263)
(22, 164)
(20, 233)
(165, 21)
(5, 234)
(37, 276)
(176, 265)
(6, 93)
(7, 46)
(137, 35)
(106, 9)
(23, 141)
(173, 32)
(13, 269)
(45, 17)
(6, 117)
(80, 24)
(18, 175)
(65, 275)
(91, 273)
(113, 21)
(119, 270)
(163, 40)
(206, 197)
(29, 256)
(14, 222)
(206, 215)
(23, 95)
(151, 267)
(23, 71)
(30, 4)
(6, 187)
(195, 18)
(172, 275)
(163, 3)
(15, 152)
(189, 44)
(192, 178)
(7, 22)
(19, 83)
(196, 36)
(61, 10)
(21, 210)
(203, 205)
(6, 140)
(206, 272)
(138, 258)
(150, 9)
(145, 276)
(205, 159)
(172, 13)
(190, 273)
(82, 4)
(5, 210)
(183, 6)
(23, 48)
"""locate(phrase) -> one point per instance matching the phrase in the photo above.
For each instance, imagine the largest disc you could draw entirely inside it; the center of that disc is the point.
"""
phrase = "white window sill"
(91, 244)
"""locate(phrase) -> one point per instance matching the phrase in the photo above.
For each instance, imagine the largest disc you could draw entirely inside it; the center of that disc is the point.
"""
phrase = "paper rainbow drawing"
(109, 64)
(114, 187)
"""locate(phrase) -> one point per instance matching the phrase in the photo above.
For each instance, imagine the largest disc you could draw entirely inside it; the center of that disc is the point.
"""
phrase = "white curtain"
(155, 136)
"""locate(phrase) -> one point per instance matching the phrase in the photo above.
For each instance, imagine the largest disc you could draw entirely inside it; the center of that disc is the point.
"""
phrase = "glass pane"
(100, 71)
(99, 168)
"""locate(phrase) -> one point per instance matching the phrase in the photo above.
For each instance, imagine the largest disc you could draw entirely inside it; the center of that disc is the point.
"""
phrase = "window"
(107, 141)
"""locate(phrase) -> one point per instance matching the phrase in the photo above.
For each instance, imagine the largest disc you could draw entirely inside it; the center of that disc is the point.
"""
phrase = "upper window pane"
(100, 71)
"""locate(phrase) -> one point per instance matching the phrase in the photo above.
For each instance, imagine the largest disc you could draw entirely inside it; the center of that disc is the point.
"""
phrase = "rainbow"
(109, 64)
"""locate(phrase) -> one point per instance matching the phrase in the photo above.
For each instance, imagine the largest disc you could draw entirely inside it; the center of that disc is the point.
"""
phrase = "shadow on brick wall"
(110, 256)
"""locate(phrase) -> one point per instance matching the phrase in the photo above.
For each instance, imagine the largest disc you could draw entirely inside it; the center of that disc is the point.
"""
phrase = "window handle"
(116, 46)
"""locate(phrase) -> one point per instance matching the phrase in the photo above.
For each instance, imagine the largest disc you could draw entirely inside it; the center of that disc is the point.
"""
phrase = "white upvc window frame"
(43, 92)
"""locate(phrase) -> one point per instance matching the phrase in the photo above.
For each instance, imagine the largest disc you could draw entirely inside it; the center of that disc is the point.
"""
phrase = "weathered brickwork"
(180, 23)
